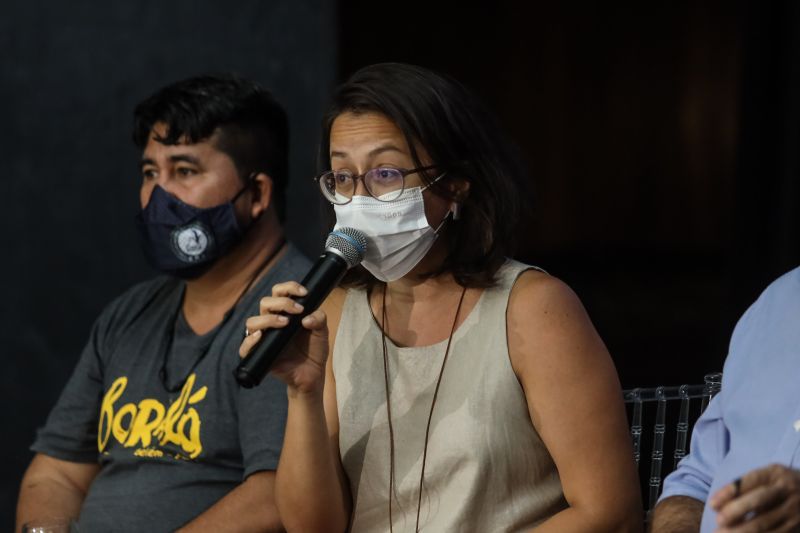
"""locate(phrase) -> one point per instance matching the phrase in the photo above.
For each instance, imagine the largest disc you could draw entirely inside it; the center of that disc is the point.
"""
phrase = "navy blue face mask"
(182, 240)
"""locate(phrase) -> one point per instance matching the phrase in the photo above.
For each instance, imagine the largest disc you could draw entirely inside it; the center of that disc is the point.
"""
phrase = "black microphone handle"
(320, 281)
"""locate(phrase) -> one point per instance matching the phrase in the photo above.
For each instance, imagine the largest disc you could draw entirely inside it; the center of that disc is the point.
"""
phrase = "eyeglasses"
(383, 183)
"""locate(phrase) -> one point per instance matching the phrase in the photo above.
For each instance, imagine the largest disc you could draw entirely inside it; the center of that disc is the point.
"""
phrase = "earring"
(456, 210)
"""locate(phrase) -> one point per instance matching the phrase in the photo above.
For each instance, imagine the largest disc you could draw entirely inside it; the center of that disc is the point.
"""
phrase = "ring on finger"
(246, 332)
(737, 487)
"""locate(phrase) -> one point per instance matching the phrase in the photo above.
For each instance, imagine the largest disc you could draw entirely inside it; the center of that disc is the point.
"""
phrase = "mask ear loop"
(249, 182)
(446, 216)
(422, 189)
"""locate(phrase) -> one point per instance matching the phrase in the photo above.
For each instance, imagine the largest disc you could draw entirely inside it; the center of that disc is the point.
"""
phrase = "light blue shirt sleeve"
(709, 446)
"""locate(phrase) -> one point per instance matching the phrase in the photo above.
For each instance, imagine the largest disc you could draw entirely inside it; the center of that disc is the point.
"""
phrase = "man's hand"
(766, 499)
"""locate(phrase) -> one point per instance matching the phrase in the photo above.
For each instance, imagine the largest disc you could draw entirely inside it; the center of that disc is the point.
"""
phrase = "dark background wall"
(71, 74)
(661, 139)
(662, 142)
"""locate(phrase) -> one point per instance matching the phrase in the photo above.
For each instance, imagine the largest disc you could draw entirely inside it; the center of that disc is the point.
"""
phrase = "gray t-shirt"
(166, 456)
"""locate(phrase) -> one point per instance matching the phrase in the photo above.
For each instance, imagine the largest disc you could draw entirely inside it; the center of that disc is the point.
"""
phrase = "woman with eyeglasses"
(444, 387)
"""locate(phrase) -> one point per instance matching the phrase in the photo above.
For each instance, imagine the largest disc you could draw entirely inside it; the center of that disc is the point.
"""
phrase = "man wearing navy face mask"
(152, 433)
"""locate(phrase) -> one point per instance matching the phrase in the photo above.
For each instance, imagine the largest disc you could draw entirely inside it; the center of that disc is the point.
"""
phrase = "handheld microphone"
(344, 249)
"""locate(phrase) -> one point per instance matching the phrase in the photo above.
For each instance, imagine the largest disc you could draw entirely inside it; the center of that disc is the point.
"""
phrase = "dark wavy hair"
(251, 126)
(462, 138)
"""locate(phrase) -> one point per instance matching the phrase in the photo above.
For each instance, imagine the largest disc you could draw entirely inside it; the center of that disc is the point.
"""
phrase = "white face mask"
(398, 233)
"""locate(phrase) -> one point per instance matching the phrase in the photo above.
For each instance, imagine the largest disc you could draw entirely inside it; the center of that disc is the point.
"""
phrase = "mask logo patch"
(190, 242)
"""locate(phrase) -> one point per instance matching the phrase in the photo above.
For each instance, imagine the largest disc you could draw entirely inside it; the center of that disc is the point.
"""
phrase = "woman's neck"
(420, 312)
(411, 289)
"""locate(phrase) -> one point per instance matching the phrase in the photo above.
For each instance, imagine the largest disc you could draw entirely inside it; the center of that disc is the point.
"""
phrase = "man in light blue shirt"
(741, 473)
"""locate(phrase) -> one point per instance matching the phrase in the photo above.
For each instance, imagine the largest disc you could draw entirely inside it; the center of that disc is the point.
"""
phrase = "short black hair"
(462, 138)
(251, 126)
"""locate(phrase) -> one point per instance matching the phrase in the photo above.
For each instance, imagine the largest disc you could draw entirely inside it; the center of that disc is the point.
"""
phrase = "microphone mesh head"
(350, 243)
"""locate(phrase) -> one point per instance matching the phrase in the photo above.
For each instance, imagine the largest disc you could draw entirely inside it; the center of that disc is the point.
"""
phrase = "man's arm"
(680, 507)
(677, 514)
(248, 507)
(53, 488)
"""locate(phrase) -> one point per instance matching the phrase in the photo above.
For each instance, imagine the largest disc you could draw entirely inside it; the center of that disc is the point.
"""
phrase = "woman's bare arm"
(575, 403)
(311, 491)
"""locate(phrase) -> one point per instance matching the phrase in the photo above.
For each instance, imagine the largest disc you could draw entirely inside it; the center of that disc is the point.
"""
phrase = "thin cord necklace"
(162, 373)
(430, 414)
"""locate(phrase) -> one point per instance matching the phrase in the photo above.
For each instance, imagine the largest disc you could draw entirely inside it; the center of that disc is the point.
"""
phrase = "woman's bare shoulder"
(548, 325)
(540, 293)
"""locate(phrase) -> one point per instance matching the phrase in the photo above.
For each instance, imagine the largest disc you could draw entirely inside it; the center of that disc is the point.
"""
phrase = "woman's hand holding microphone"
(302, 364)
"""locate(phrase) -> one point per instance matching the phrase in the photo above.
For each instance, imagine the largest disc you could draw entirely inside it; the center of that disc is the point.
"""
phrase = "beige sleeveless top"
(487, 469)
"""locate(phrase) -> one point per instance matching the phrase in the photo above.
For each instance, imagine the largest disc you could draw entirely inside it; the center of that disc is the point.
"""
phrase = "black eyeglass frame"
(355, 178)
